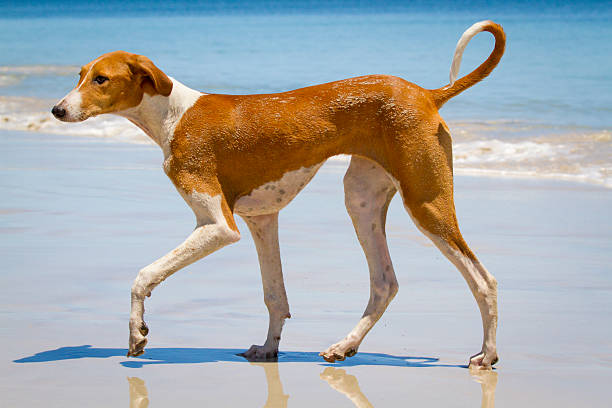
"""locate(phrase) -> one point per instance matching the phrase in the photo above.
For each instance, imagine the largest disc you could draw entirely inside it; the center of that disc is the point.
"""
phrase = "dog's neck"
(158, 115)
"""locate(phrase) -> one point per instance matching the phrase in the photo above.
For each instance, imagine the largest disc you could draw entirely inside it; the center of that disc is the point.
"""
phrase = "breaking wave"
(580, 157)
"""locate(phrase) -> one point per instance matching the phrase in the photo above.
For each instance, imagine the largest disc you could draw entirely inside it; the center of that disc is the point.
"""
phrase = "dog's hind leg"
(425, 179)
(215, 229)
(264, 229)
(437, 220)
(368, 191)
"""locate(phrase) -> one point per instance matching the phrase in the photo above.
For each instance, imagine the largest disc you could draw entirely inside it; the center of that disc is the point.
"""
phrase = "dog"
(250, 155)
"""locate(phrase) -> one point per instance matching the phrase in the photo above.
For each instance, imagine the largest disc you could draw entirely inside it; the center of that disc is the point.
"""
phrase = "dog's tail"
(457, 86)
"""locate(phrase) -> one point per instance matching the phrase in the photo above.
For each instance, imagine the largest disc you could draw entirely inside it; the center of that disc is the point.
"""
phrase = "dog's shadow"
(212, 355)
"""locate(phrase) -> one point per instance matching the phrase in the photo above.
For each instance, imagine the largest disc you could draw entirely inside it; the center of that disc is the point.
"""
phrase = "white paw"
(339, 351)
(137, 341)
(483, 361)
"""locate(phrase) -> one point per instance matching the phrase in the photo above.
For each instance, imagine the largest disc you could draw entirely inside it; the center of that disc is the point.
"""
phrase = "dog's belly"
(271, 197)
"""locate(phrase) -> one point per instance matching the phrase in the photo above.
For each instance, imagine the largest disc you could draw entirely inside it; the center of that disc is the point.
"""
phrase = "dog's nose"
(58, 112)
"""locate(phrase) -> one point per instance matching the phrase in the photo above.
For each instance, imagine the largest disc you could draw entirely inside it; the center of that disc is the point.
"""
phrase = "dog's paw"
(137, 341)
(260, 353)
(339, 351)
(483, 361)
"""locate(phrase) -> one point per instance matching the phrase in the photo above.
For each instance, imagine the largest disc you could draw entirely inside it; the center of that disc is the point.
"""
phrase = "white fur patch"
(271, 197)
(461, 44)
(72, 104)
(208, 211)
(206, 208)
(159, 115)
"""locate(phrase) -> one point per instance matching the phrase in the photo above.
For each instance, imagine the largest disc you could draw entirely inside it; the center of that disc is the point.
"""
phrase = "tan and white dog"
(252, 154)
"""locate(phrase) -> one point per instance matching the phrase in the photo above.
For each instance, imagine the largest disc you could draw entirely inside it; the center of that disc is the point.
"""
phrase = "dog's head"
(112, 83)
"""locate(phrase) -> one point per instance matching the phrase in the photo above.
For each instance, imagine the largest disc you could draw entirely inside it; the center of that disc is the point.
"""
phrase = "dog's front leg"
(213, 231)
(264, 229)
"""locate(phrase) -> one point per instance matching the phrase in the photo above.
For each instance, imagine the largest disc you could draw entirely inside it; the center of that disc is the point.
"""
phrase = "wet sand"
(79, 217)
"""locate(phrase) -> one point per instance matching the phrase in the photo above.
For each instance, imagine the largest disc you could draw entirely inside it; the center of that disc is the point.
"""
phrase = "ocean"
(546, 111)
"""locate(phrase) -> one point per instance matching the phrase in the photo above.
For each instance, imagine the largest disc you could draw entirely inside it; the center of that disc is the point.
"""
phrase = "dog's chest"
(271, 197)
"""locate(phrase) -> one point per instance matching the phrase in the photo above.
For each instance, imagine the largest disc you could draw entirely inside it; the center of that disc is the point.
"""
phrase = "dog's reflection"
(139, 396)
(337, 378)
(488, 382)
(346, 384)
(276, 396)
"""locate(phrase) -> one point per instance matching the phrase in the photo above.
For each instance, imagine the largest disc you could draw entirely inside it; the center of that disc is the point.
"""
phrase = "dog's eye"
(100, 79)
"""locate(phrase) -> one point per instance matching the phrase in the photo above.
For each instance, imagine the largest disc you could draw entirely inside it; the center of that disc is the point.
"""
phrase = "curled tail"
(455, 87)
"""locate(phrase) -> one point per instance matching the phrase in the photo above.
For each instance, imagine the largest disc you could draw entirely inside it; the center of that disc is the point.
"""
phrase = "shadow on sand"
(336, 377)
(212, 355)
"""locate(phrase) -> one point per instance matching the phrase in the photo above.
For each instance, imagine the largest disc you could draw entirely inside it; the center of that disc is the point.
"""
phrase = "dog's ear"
(152, 76)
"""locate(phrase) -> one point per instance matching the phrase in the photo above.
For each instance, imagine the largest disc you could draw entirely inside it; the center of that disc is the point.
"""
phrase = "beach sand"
(79, 217)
